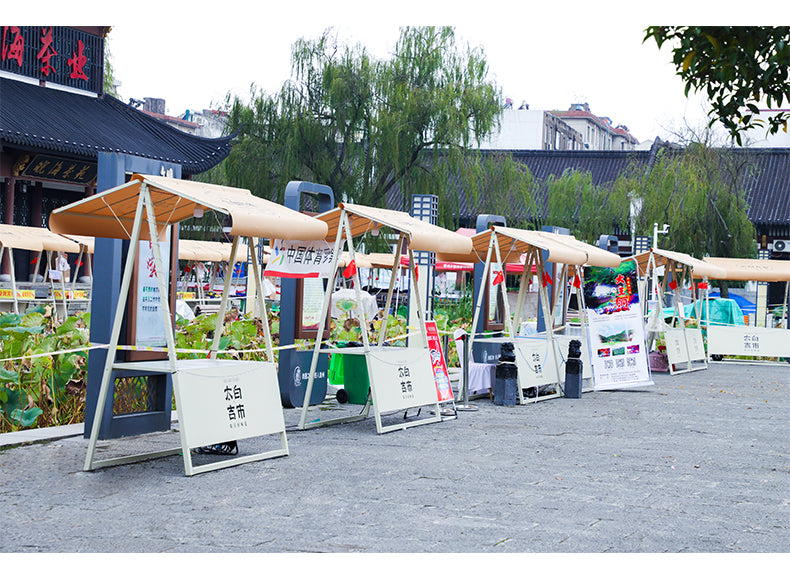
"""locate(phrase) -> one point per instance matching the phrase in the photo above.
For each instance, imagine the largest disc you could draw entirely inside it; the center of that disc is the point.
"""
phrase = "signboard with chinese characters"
(149, 329)
(401, 378)
(224, 400)
(441, 376)
(616, 336)
(748, 341)
(54, 168)
(8, 294)
(57, 54)
(535, 362)
(72, 294)
(295, 259)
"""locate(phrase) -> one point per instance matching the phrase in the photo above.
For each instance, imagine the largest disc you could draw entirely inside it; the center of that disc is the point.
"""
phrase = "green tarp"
(723, 311)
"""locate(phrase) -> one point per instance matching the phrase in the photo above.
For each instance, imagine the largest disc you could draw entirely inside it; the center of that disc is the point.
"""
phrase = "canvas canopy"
(88, 242)
(562, 248)
(35, 239)
(422, 235)
(700, 268)
(747, 269)
(204, 250)
(111, 213)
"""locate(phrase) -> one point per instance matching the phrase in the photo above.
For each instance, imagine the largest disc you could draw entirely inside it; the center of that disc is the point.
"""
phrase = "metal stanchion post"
(465, 406)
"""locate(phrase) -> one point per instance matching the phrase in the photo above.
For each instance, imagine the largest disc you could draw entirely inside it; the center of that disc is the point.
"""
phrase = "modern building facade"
(525, 129)
(598, 132)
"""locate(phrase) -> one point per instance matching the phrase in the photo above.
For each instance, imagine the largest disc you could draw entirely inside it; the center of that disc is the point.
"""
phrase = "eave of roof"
(82, 126)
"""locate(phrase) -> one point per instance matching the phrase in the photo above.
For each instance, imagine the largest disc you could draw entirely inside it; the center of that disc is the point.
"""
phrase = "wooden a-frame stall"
(198, 251)
(756, 341)
(45, 244)
(537, 357)
(400, 378)
(217, 400)
(684, 344)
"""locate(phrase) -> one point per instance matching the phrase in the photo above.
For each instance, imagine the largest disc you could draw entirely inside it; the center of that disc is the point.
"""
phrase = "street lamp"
(656, 232)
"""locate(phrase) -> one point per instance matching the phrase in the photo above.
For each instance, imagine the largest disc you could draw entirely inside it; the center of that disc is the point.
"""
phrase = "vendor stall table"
(196, 253)
(538, 358)
(217, 400)
(746, 341)
(684, 344)
(400, 378)
(49, 246)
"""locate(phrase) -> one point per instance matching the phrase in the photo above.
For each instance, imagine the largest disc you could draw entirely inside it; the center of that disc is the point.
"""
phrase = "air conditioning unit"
(781, 246)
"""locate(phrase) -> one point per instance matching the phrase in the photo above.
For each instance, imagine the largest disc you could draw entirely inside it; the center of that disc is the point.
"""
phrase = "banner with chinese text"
(149, 328)
(295, 259)
(616, 336)
(444, 391)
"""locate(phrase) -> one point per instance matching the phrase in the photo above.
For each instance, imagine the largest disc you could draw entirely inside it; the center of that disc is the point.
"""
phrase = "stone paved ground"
(699, 462)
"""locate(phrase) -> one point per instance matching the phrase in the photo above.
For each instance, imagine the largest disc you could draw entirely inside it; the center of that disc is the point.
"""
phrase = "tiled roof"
(82, 126)
(767, 189)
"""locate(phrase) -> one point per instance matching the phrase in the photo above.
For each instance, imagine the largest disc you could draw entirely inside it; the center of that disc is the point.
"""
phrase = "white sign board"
(295, 259)
(149, 329)
(401, 378)
(535, 362)
(748, 341)
(562, 342)
(617, 350)
(676, 341)
(224, 400)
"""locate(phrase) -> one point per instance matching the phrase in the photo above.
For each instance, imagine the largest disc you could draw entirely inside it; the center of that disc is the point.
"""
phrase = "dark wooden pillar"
(8, 218)
(35, 205)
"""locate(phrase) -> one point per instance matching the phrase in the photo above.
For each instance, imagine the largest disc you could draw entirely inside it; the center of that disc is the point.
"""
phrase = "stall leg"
(465, 406)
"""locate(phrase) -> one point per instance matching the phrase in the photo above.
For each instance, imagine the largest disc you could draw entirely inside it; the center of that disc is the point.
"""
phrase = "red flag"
(577, 282)
(702, 285)
(673, 285)
(499, 278)
(416, 274)
(350, 269)
(546, 279)
(34, 260)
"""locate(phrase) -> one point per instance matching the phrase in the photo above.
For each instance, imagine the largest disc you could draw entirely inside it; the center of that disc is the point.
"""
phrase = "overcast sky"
(552, 56)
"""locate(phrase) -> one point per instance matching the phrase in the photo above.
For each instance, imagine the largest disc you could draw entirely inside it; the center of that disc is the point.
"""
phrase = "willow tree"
(369, 127)
(700, 192)
(575, 202)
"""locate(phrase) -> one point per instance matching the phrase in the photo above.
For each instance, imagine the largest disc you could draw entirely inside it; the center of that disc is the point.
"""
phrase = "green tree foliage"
(739, 67)
(699, 192)
(587, 210)
(110, 82)
(364, 126)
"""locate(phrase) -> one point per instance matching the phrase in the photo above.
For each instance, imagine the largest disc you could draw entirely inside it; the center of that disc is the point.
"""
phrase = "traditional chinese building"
(55, 120)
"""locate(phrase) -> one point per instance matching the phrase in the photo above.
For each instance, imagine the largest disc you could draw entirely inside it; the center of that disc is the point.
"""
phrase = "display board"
(536, 363)
(220, 401)
(402, 378)
(748, 341)
(149, 327)
(684, 345)
(616, 337)
(444, 392)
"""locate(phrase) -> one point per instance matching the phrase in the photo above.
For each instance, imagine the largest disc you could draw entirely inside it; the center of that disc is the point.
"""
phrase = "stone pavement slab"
(700, 462)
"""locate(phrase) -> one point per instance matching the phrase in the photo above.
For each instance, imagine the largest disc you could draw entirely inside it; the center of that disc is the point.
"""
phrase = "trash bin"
(351, 372)
(506, 377)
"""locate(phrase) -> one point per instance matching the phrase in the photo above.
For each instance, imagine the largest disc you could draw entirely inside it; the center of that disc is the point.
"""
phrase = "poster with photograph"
(616, 335)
